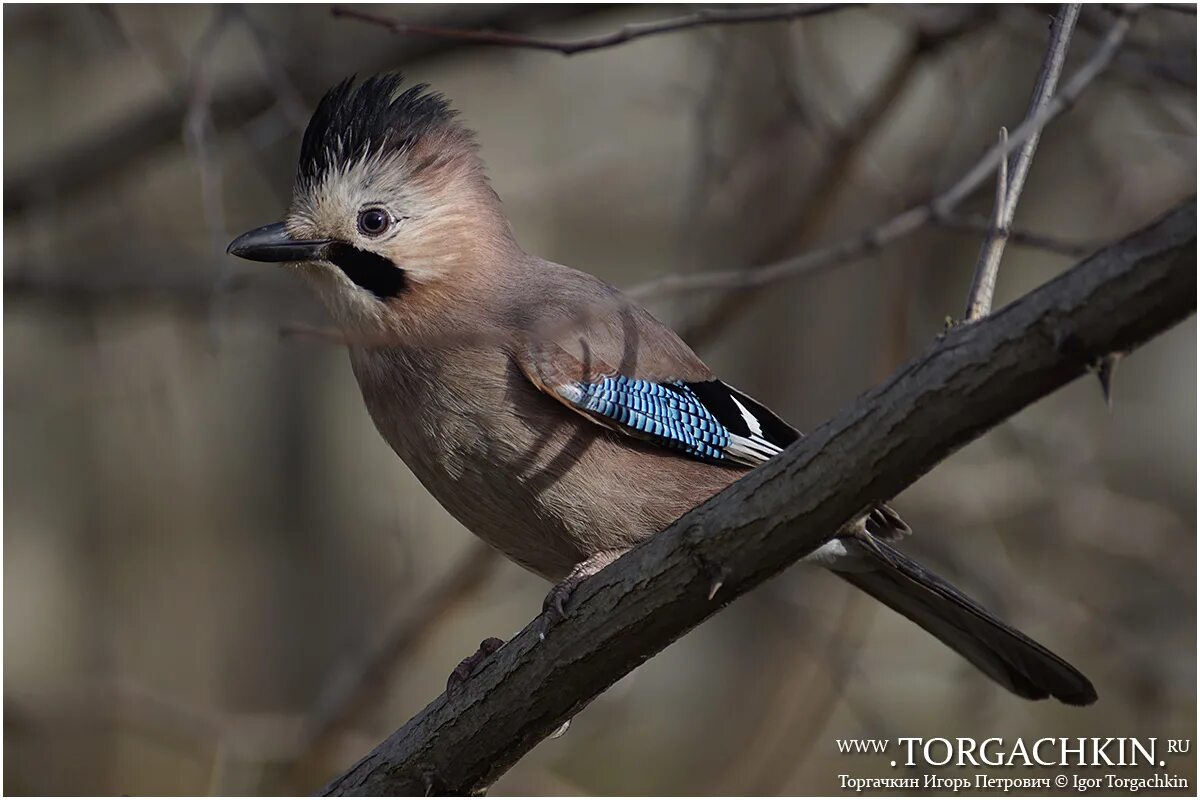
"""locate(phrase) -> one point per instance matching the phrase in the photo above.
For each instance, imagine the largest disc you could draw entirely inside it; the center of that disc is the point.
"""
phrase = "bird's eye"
(373, 221)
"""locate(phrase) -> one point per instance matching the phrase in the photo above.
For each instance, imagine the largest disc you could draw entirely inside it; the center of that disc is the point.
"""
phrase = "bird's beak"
(272, 243)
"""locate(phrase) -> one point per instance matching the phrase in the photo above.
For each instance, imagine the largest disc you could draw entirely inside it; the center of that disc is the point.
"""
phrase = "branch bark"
(970, 379)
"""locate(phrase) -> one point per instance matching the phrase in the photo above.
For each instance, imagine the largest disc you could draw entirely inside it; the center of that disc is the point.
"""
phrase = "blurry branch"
(1011, 178)
(316, 333)
(356, 689)
(198, 129)
(626, 33)
(302, 743)
(105, 155)
(1182, 8)
(912, 219)
(979, 224)
(138, 278)
(841, 153)
(970, 379)
(288, 97)
(812, 674)
(133, 707)
(1168, 67)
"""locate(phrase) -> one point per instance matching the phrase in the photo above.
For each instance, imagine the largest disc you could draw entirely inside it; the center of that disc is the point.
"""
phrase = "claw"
(554, 607)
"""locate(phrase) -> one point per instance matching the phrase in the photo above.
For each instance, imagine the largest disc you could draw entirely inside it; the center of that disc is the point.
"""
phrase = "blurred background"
(219, 579)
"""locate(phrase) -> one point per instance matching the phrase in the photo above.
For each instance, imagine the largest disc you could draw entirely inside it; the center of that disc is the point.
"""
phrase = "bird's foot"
(554, 608)
(471, 664)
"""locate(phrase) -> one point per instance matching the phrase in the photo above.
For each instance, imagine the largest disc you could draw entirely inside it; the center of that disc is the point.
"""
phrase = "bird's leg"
(469, 665)
(554, 606)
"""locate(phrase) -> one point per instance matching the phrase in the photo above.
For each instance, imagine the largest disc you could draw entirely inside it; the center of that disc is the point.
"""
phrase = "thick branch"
(969, 380)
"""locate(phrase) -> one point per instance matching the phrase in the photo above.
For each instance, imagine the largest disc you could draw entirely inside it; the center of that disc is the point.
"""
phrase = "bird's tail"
(1004, 654)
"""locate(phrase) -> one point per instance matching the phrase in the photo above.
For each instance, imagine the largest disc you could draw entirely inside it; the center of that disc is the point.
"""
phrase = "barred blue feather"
(675, 415)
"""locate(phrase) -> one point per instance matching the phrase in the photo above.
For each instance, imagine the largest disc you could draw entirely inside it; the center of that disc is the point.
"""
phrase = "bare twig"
(969, 380)
(1047, 84)
(978, 224)
(626, 33)
(1012, 175)
(841, 153)
(913, 218)
(1033, 124)
(983, 284)
(93, 160)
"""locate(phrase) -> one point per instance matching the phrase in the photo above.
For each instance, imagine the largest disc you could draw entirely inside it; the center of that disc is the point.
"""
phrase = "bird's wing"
(620, 367)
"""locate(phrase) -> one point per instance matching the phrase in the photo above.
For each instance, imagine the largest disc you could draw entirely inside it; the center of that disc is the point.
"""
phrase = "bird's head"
(390, 202)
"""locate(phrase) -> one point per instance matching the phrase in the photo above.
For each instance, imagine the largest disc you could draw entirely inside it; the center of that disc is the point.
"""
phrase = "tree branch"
(626, 33)
(906, 222)
(841, 154)
(1012, 176)
(95, 160)
(967, 381)
(978, 224)
(987, 265)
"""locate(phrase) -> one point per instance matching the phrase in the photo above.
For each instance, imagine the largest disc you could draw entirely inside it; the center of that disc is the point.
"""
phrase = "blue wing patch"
(674, 415)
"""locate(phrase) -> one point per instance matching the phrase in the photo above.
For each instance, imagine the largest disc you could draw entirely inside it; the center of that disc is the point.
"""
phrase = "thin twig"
(841, 153)
(1061, 31)
(1033, 124)
(987, 266)
(913, 218)
(626, 33)
(95, 160)
(1012, 176)
(977, 224)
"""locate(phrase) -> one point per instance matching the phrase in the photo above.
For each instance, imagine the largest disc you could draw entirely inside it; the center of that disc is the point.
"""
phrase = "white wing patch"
(753, 449)
(751, 421)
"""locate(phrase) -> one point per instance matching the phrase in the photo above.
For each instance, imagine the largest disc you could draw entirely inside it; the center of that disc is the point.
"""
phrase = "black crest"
(352, 121)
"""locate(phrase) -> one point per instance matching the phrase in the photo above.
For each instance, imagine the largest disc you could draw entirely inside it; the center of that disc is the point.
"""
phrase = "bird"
(548, 412)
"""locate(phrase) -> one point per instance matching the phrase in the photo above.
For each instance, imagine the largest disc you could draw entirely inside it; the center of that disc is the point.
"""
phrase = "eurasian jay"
(551, 415)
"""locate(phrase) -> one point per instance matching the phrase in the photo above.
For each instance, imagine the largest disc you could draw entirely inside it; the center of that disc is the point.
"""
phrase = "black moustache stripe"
(376, 274)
